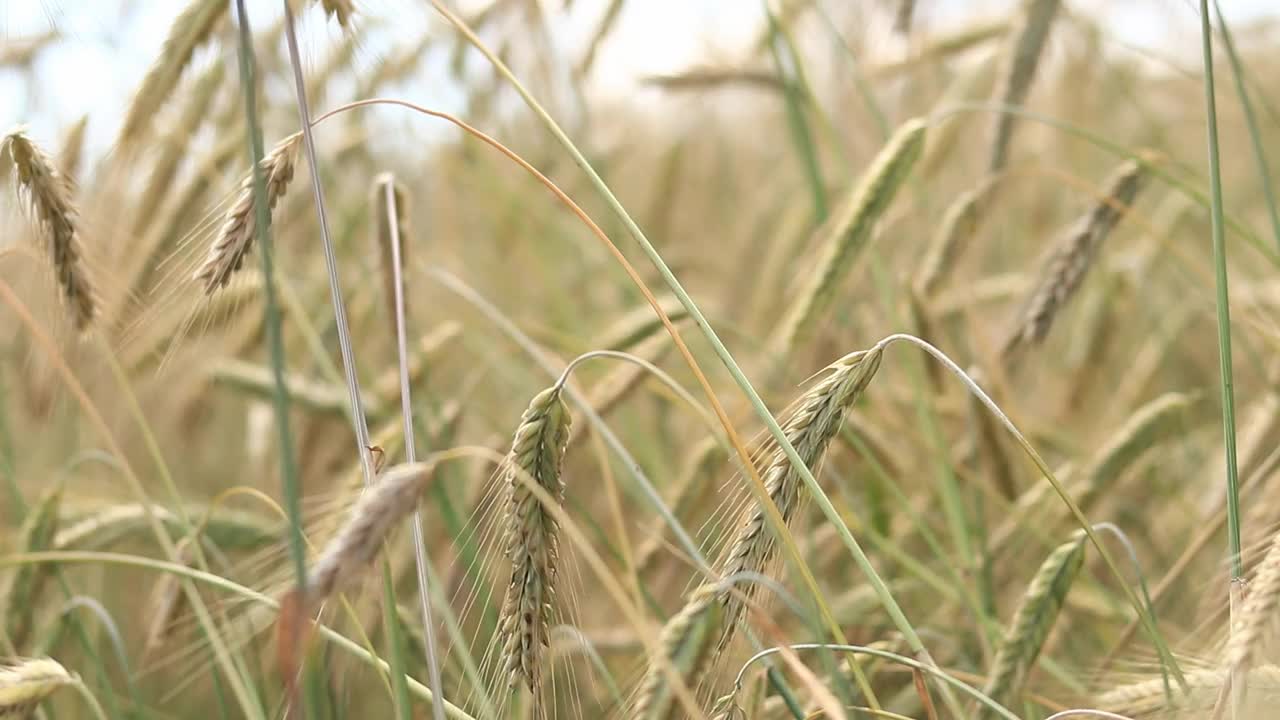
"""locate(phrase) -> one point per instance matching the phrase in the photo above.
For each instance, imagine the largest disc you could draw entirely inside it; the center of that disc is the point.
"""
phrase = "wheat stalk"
(382, 229)
(23, 595)
(686, 645)
(24, 684)
(1016, 74)
(532, 537)
(849, 230)
(1070, 258)
(227, 252)
(192, 28)
(50, 195)
(809, 428)
(1032, 623)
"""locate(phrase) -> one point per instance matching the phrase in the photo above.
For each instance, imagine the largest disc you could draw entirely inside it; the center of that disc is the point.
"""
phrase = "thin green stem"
(1223, 302)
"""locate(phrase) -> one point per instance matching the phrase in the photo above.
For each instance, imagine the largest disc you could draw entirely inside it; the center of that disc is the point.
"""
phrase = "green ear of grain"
(23, 596)
(686, 643)
(850, 230)
(1032, 623)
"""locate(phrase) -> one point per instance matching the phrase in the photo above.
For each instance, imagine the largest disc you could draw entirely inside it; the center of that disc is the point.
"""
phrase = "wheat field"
(888, 368)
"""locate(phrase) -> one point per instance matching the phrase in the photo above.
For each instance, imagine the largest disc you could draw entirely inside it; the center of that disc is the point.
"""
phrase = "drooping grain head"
(239, 227)
(50, 193)
(381, 507)
(849, 231)
(1256, 613)
(1018, 71)
(1032, 624)
(815, 419)
(1070, 258)
(532, 537)
(192, 28)
(959, 226)
(1150, 699)
(687, 643)
(24, 684)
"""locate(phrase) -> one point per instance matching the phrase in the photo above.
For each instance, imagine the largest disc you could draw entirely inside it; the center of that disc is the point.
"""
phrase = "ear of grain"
(166, 603)
(21, 51)
(104, 527)
(1070, 258)
(686, 643)
(341, 10)
(389, 197)
(380, 508)
(959, 225)
(1256, 614)
(50, 195)
(1018, 71)
(1149, 699)
(815, 420)
(233, 241)
(72, 150)
(26, 683)
(23, 596)
(850, 229)
(192, 28)
(173, 145)
(532, 537)
(1032, 623)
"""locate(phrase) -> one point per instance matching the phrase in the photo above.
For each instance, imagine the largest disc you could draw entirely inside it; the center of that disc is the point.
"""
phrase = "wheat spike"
(959, 225)
(19, 52)
(1018, 71)
(1151, 698)
(341, 10)
(23, 595)
(72, 150)
(227, 252)
(24, 684)
(1256, 613)
(1032, 623)
(686, 644)
(1070, 258)
(192, 28)
(380, 508)
(50, 194)
(811, 425)
(532, 537)
(850, 229)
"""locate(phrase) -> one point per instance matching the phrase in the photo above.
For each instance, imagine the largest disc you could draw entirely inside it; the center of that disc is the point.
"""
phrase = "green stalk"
(793, 92)
(1223, 303)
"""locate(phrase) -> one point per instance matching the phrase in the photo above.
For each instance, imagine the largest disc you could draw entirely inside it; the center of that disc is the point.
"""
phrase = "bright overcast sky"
(109, 43)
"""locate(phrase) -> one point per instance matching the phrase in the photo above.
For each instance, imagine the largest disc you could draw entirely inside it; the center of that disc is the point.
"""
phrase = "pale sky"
(109, 43)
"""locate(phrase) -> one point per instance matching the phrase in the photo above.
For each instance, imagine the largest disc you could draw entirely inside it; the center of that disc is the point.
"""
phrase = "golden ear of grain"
(850, 230)
(1017, 73)
(192, 28)
(342, 10)
(20, 52)
(1256, 613)
(686, 643)
(239, 227)
(815, 419)
(532, 537)
(1070, 258)
(50, 195)
(23, 595)
(1149, 699)
(391, 498)
(166, 603)
(1032, 623)
(24, 684)
(69, 156)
